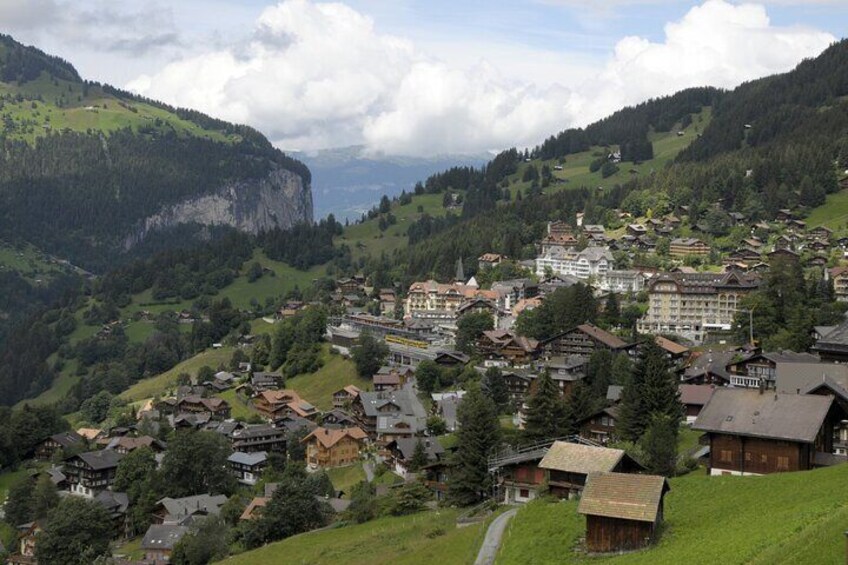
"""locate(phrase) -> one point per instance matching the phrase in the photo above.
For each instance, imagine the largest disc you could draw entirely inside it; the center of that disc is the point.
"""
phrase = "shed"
(622, 511)
(567, 465)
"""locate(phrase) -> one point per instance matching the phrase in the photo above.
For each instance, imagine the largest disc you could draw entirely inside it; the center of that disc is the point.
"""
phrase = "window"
(748, 457)
(524, 493)
(782, 462)
(763, 458)
(726, 456)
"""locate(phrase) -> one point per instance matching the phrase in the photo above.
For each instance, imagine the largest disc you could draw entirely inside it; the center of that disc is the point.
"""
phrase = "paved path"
(492, 541)
(368, 467)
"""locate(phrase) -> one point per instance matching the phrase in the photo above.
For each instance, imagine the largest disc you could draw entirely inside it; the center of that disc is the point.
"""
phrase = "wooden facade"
(582, 340)
(608, 535)
(520, 482)
(739, 455)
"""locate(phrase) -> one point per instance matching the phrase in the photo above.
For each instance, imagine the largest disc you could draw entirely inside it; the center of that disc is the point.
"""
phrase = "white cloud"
(320, 75)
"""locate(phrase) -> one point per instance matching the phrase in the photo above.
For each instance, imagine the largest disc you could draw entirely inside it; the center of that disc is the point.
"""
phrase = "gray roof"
(161, 536)
(397, 423)
(97, 460)
(448, 407)
(404, 399)
(257, 430)
(432, 447)
(714, 362)
(114, 502)
(67, 439)
(614, 392)
(794, 377)
(249, 459)
(338, 505)
(791, 417)
(835, 340)
(179, 508)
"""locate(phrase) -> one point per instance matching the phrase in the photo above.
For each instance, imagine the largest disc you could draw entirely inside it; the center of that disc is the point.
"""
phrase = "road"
(492, 541)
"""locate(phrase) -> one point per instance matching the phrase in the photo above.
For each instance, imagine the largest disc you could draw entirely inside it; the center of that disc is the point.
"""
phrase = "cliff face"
(279, 200)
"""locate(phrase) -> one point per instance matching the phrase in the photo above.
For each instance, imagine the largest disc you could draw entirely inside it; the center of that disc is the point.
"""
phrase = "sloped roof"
(791, 417)
(161, 536)
(89, 433)
(697, 395)
(328, 437)
(432, 447)
(249, 459)
(793, 377)
(581, 459)
(181, 507)
(624, 496)
(97, 460)
(672, 347)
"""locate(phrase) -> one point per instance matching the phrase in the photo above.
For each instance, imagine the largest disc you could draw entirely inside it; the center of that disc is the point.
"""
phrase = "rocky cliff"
(279, 200)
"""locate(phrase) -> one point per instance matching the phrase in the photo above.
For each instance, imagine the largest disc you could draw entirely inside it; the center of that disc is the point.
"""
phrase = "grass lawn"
(343, 478)
(832, 214)
(238, 410)
(427, 537)
(131, 549)
(687, 440)
(387, 478)
(318, 388)
(785, 518)
(159, 384)
(9, 479)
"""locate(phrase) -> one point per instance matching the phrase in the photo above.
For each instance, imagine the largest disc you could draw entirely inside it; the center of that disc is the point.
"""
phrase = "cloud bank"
(313, 76)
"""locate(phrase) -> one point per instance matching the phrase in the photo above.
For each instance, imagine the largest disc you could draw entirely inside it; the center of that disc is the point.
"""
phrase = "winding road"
(492, 541)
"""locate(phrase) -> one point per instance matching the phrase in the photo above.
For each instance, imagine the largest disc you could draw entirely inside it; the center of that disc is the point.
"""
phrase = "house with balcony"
(89, 473)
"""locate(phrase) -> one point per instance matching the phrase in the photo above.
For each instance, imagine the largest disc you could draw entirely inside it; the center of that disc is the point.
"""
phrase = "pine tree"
(44, 498)
(579, 405)
(477, 437)
(545, 417)
(419, 456)
(652, 390)
(495, 386)
(660, 445)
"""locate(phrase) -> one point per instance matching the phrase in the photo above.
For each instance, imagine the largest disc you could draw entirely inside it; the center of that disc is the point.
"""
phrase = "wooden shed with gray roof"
(622, 511)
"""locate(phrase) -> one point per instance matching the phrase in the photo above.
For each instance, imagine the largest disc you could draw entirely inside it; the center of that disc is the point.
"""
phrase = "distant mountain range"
(346, 182)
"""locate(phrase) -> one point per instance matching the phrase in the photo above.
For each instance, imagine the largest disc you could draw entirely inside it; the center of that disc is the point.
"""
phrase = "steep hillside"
(88, 171)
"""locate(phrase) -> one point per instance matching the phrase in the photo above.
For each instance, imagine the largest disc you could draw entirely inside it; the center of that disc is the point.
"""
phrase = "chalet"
(294, 424)
(760, 369)
(259, 438)
(387, 382)
(514, 348)
(338, 419)
(127, 444)
(91, 472)
(797, 225)
(479, 304)
(402, 452)
(623, 511)
(566, 372)
(63, 441)
(194, 404)
(518, 385)
(301, 409)
(681, 247)
(184, 511)
(792, 378)
(489, 260)
(636, 229)
(262, 381)
(451, 358)
(600, 426)
(254, 508)
(784, 215)
(116, 505)
(817, 261)
(582, 340)
(27, 540)
(833, 347)
(326, 448)
(247, 467)
(272, 403)
(673, 350)
(567, 465)
(694, 398)
(756, 433)
(781, 252)
(517, 475)
(388, 302)
(446, 407)
(818, 246)
(348, 286)
(159, 541)
(345, 396)
(838, 390)
(708, 368)
(839, 276)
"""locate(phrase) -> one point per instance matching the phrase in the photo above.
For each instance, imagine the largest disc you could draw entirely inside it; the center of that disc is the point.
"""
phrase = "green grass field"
(9, 479)
(237, 409)
(161, 383)
(788, 518)
(344, 478)
(832, 214)
(427, 537)
(318, 388)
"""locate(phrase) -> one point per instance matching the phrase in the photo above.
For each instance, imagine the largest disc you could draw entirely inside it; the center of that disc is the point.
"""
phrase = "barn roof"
(578, 458)
(624, 496)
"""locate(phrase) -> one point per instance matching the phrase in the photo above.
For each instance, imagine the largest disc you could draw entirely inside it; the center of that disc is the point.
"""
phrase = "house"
(623, 511)
(636, 229)
(159, 541)
(517, 475)
(326, 448)
(590, 262)
(262, 381)
(345, 396)
(127, 444)
(389, 381)
(581, 340)
(833, 348)
(683, 246)
(183, 511)
(195, 404)
(489, 260)
(839, 276)
(760, 369)
(821, 233)
(673, 350)
(254, 508)
(27, 539)
(756, 433)
(116, 505)
(301, 409)
(371, 407)
(518, 384)
(446, 407)
(272, 403)
(709, 368)
(694, 398)
(600, 426)
(62, 441)
(567, 465)
(259, 438)
(514, 348)
(338, 419)
(451, 358)
(91, 472)
(402, 451)
(793, 378)
(388, 302)
(247, 467)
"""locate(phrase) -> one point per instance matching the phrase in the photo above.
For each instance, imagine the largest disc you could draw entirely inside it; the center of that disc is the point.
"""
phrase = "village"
(743, 410)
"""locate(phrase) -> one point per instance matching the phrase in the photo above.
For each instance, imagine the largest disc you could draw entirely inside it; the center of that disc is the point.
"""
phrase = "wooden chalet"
(194, 404)
(344, 396)
(623, 511)
(327, 448)
(755, 433)
(272, 403)
(600, 426)
(89, 473)
(518, 384)
(61, 441)
(694, 398)
(159, 541)
(247, 467)
(505, 344)
(27, 540)
(582, 340)
(260, 438)
(567, 465)
(833, 347)
(338, 419)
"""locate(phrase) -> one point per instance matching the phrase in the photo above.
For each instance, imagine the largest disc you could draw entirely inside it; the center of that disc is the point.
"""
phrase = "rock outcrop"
(279, 200)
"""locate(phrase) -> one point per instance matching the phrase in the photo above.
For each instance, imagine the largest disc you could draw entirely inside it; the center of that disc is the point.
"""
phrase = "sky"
(422, 77)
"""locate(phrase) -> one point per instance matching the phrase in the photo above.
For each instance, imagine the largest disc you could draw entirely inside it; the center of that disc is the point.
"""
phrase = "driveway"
(492, 541)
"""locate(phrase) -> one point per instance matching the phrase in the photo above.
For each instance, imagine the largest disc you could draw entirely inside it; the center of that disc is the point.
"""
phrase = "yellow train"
(407, 342)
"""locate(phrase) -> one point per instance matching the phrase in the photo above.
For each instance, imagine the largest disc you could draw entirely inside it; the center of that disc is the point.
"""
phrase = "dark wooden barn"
(623, 511)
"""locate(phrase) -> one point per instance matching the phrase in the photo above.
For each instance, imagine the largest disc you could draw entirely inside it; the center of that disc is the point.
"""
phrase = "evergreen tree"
(495, 386)
(363, 503)
(579, 405)
(419, 456)
(477, 437)
(78, 532)
(660, 445)
(599, 371)
(545, 417)
(652, 390)
(18, 502)
(470, 327)
(621, 369)
(44, 498)
(612, 310)
(369, 355)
